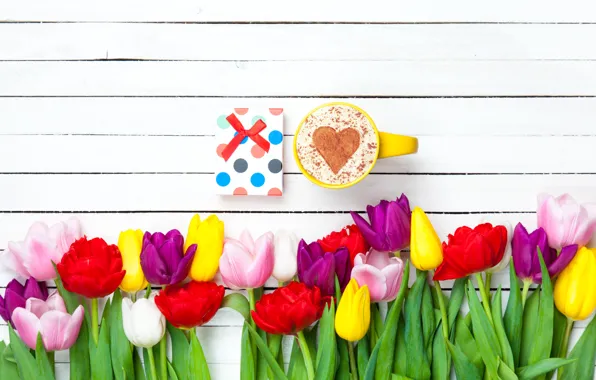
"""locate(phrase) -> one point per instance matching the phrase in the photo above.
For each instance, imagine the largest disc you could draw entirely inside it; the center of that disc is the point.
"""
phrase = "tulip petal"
(233, 264)
(393, 274)
(153, 266)
(377, 259)
(321, 274)
(34, 289)
(13, 259)
(567, 254)
(367, 231)
(12, 300)
(343, 266)
(373, 278)
(71, 332)
(37, 307)
(56, 302)
(262, 266)
(247, 240)
(27, 325)
(53, 325)
(184, 265)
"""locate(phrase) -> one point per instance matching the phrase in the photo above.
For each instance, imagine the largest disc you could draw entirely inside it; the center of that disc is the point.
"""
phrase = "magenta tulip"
(246, 263)
(59, 330)
(381, 273)
(16, 295)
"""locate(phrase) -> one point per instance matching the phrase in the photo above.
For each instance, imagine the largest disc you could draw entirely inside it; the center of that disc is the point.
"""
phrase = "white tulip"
(286, 250)
(144, 325)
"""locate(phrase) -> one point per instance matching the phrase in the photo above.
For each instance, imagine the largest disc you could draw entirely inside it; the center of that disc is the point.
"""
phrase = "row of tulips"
(343, 300)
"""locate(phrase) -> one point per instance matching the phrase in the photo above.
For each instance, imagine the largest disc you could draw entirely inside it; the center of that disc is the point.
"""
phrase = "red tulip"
(91, 268)
(290, 309)
(190, 305)
(472, 250)
(349, 237)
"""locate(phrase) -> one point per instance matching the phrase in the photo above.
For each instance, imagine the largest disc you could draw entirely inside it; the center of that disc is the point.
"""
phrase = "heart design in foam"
(336, 147)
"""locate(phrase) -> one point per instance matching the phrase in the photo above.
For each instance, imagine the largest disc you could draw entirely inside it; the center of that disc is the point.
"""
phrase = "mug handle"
(396, 145)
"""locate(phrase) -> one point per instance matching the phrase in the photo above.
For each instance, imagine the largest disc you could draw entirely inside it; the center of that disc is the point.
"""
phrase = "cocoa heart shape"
(335, 147)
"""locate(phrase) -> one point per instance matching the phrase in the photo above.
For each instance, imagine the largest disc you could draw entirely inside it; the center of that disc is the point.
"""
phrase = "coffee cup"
(337, 145)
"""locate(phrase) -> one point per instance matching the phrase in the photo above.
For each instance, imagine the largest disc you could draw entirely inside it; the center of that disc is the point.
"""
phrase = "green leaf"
(362, 354)
(262, 367)
(560, 323)
(485, 336)
(247, 360)
(514, 316)
(441, 358)
(8, 365)
(180, 350)
(584, 352)
(428, 320)
(543, 338)
(138, 364)
(198, 364)
(464, 368)
(466, 343)
(327, 350)
(369, 370)
(171, 372)
(277, 371)
(455, 301)
(101, 362)
(417, 365)
(120, 347)
(148, 373)
(343, 370)
(296, 368)
(506, 352)
(25, 361)
(45, 368)
(506, 373)
(528, 331)
(400, 358)
(547, 365)
(274, 344)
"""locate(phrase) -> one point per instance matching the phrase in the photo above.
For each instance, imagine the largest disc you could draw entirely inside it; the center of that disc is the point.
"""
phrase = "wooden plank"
(328, 78)
(192, 116)
(455, 193)
(291, 42)
(306, 11)
(184, 154)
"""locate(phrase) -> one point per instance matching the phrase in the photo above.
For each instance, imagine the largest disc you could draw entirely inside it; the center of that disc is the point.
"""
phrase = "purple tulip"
(525, 254)
(319, 268)
(16, 295)
(389, 228)
(163, 259)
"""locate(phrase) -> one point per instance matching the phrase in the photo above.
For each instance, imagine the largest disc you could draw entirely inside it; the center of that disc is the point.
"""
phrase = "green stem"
(485, 301)
(443, 309)
(525, 292)
(152, 363)
(52, 361)
(353, 364)
(310, 369)
(280, 284)
(487, 280)
(251, 301)
(133, 296)
(564, 345)
(372, 329)
(95, 320)
(148, 291)
(163, 359)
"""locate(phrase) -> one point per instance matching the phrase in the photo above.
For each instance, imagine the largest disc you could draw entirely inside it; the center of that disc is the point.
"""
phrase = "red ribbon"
(252, 133)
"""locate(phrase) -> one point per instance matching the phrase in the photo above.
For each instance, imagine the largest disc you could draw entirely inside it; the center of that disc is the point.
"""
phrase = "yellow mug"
(387, 145)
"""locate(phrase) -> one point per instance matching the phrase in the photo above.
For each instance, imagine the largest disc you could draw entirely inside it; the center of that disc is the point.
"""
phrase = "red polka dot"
(276, 111)
(220, 149)
(274, 192)
(240, 191)
(257, 151)
(241, 111)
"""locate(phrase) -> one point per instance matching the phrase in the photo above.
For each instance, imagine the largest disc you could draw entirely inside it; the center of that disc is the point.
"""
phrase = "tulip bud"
(426, 251)
(286, 249)
(130, 244)
(144, 325)
(575, 289)
(352, 318)
(208, 235)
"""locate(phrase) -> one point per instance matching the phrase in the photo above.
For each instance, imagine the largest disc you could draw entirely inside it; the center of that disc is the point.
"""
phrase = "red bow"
(252, 133)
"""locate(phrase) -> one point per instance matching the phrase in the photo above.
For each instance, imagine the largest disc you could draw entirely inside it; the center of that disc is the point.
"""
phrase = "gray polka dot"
(240, 165)
(275, 166)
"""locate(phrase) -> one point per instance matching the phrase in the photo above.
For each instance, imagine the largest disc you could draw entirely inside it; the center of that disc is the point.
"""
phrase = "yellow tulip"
(352, 318)
(208, 235)
(575, 289)
(130, 243)
(426, 252)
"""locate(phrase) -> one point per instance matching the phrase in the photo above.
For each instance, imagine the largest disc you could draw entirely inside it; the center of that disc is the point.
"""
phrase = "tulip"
(208, 236)
(130, 244)
(190, 305)
(286, 249)
(319, 268)
(381, 273)
(59, 330)
(471, 251)
(575, 288)
(426, 252)
(16, 295)
(565, 221)
(91, 268)
(349, 237)
(43, 246)
(246, 263)
(353, 312)
(163, 260)
(525, 255)
(144, 325)
(507, 255)
(389, 228)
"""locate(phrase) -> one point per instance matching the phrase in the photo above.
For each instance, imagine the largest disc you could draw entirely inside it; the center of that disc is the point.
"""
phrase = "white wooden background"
(107, 109)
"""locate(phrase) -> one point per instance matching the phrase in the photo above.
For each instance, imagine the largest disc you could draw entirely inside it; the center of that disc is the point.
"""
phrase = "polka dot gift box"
(249, 146)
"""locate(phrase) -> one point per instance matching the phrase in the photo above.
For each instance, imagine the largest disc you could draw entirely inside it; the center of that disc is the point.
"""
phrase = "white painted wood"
(325, 78)
(291, 42)
(191, 116)
(305, 11)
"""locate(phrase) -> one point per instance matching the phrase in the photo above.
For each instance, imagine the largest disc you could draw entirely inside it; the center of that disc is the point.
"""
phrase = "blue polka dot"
(275, 137)
(257, 180)
(244, 140)
(223, 179)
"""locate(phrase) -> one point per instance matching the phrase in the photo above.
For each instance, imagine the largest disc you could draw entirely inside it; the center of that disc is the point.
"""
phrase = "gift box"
(249, 146)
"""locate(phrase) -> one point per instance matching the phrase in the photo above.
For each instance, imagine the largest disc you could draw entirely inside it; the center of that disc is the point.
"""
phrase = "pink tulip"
(59, 330)
(565, 221)
(245, 263)
(381, 273)
(43, 245)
